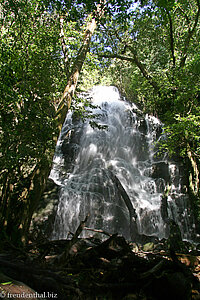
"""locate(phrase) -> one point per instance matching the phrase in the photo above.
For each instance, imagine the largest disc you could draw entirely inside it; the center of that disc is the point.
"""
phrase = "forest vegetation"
(52, 49)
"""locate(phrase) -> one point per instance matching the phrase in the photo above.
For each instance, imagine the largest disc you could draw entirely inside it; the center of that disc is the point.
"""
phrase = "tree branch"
(189, 37)
(185, 15)
(171, 38)
(98, 231)
(62, 258)
(134, 59)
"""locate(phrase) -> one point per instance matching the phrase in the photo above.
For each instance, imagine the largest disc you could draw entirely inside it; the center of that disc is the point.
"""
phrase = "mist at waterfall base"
(116, 175)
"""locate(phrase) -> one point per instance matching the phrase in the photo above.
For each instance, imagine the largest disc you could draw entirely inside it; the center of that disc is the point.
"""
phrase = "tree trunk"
(66, 98)
(194, 176)
(193, 184)
(41, 174)
(17, 207)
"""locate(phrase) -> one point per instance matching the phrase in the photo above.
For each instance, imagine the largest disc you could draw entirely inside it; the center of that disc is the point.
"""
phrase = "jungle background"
(50, 51)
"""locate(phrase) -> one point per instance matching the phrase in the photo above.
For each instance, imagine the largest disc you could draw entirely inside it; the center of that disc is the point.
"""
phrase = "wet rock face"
(128, 148)
(70, 152)
(70, 145)
(160, 170)
(43, 219)
(142, 125)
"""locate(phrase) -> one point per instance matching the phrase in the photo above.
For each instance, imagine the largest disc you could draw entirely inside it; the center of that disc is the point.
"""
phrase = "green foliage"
(6, 283)
(83, 110)
(164, 37)
(183, 131)
(31, 71)
(153, 55)
(36, 56)
(29, 53)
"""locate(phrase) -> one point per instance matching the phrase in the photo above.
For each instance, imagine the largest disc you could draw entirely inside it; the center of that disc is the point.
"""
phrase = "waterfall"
(116, 175)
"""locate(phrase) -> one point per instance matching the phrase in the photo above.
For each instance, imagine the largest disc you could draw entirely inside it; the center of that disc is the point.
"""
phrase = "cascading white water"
(114, 175)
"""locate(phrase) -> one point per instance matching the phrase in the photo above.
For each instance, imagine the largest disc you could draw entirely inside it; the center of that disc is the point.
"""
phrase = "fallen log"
(112, 248)
(11, 288)
(109, 269)
(132, 212)
(41, 280)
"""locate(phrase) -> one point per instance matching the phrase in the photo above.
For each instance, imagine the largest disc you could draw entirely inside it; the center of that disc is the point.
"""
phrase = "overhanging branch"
(134, 59)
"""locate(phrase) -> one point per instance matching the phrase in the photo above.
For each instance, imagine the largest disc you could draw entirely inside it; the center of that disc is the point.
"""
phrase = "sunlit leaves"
(30, 72)
(183, 132)
(161, 33)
